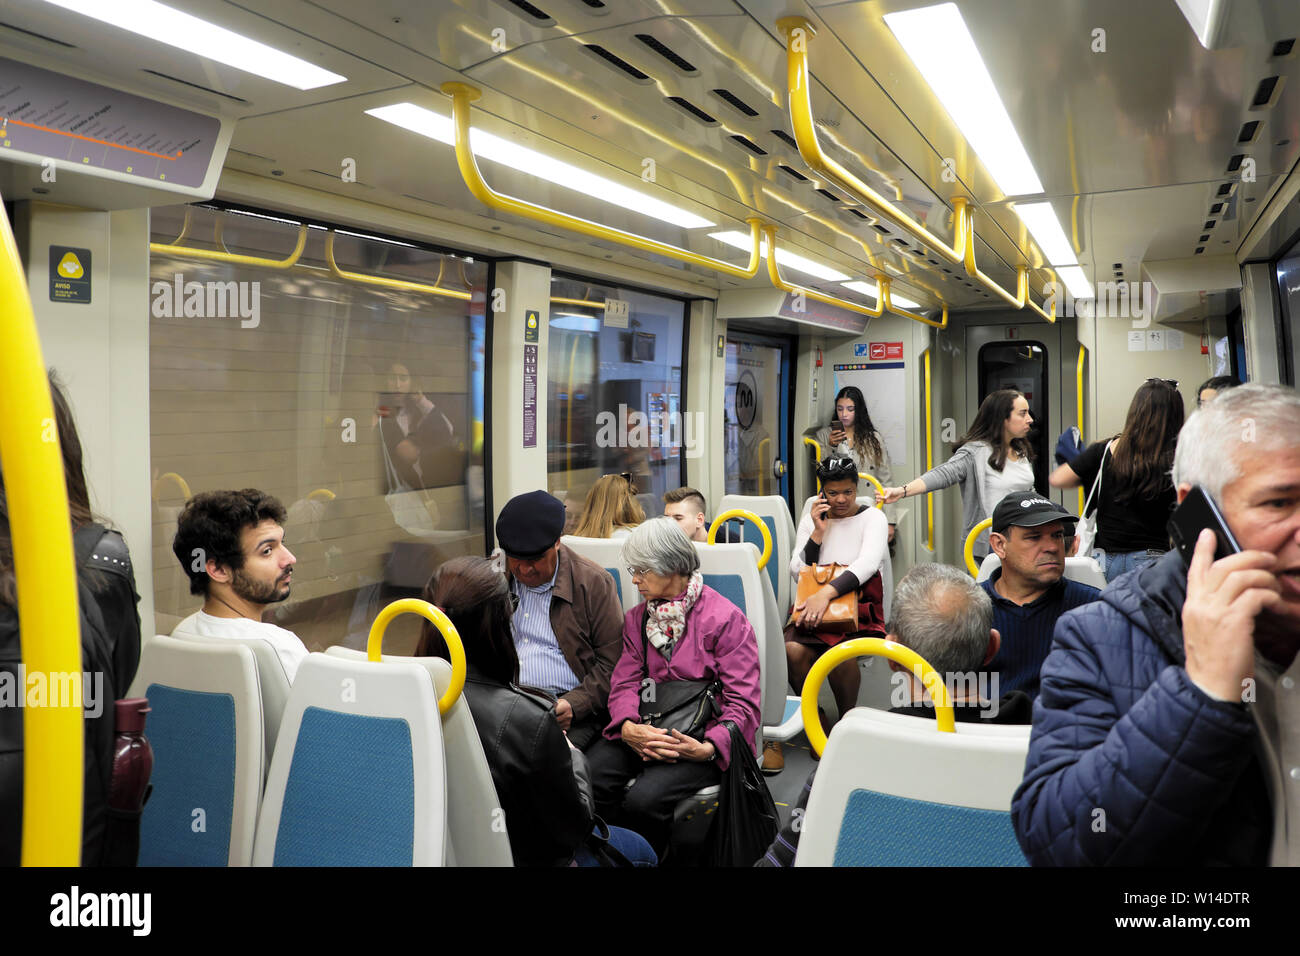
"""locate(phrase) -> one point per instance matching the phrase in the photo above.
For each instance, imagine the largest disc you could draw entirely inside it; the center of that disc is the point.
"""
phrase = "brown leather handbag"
(841, 615)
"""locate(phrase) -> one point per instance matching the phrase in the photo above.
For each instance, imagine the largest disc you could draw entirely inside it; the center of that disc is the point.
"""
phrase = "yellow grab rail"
(816, 446)
(580, 303)
(234, 258)
(748, 516)
(41, 531)
(324, 494)
(929, 457)
(1078, 379)
(462, 94)
(886, 298)
(774, 274)
(762, 472)
(969, 550)
(880, 489)
(442, 623)
(799, 31)
(930, 679)
(383, 282)
(181, 484)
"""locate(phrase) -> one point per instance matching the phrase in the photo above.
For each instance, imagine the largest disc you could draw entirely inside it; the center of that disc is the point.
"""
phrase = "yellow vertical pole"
(41, 531)
(1078, 378)
(929, 456)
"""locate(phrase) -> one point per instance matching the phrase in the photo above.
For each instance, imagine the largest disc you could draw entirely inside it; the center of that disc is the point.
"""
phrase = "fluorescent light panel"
(1076, 282)
(426, 122)
(167, 25)
(1040, 219)
(943, 51)
(784, 257)
(873, 290)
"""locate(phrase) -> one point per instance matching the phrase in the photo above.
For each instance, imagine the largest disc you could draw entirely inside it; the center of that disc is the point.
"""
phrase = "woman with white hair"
(682, 645)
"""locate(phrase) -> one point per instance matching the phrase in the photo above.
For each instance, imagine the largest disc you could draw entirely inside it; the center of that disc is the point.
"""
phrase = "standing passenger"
(990, 462)
(851, 435)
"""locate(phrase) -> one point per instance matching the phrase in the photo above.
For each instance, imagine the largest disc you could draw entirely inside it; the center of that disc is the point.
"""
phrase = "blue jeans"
(1113, 564)
(628, 842)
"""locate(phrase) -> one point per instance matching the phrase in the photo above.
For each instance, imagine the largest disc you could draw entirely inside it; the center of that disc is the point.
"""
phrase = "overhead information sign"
(47, 117)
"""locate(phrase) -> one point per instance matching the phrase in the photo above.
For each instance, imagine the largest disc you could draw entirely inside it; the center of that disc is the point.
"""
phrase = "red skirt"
(871, 619)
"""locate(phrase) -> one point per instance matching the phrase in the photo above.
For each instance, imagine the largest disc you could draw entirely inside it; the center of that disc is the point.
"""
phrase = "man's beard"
(257, 592)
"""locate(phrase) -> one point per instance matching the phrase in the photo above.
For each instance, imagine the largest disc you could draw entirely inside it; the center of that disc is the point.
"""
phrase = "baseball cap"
(1028, 509)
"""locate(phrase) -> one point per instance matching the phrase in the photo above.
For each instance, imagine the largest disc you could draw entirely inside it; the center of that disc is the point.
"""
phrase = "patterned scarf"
(665, 620)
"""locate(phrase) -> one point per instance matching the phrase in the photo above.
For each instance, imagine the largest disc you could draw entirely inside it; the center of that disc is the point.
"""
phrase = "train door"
(756, 414)
(1026, 358)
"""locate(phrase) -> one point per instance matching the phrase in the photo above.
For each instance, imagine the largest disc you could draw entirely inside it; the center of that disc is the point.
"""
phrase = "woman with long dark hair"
(990, 461)
(1136, 495)
(851, 434)
(541, 779)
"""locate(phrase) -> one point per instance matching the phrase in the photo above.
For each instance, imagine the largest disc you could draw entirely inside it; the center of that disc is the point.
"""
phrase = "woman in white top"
(837, 531)
(852, 435)
(991, 460)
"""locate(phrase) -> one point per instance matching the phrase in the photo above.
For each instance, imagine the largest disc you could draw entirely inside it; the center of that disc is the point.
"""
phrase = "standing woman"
(611, 509)
(991, 461)
(1136, 495)
(851, 435)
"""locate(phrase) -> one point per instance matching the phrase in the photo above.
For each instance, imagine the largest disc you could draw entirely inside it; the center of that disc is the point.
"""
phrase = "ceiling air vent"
(736, 101)
(39, 36)
(860, 214)
(749, 144)
(1248, 131)
(880, 228)
(1265, 93)
(686, 66)
(1216, 209)
(1224, 189)
(784, 137)
(196, 86)
(830, 195)
(1283, 47)
(1199, 250)
(594, 4)
(1209, 224)
(1234, 164)
(694, 110)
(1204, 238)
(540, 15)
(793, 172)
(613, 59)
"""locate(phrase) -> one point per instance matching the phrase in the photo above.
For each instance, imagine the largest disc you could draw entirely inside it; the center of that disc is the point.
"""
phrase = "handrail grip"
(762, 472)
(887, 298)
(171, 249)
(45, 573)
(969, 550)
(748, 516)
(181, 483)
(931, 680)
(462, 94)
(774, 275)
(383, 282)
(879, 487)
(817, 447)
(449, 633)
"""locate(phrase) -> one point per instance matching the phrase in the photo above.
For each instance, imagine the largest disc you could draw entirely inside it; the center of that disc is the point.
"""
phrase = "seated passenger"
(540, 777)
(687, 507)
(231, 544)
(1213, 386)
(611, 509)
(1030, 590)
(837, 530)
(1165, 732)
(944, 616)
(568, 623)
(683, 631)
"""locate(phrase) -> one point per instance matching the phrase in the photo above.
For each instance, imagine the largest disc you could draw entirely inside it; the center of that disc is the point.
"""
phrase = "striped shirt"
(541, 662)
(1027, 629)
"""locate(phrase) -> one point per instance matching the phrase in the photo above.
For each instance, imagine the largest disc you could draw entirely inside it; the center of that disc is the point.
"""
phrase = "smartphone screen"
(1197, 512)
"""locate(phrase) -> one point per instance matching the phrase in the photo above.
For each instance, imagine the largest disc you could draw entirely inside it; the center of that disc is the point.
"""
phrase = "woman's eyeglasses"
(639, 572)
(1171, 382)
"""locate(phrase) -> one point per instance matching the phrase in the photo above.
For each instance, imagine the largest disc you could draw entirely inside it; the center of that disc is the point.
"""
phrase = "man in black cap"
(1029, 590)
(569, 623)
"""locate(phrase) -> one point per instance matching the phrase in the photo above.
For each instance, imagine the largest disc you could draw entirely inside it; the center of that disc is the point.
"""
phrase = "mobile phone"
(1197, 512)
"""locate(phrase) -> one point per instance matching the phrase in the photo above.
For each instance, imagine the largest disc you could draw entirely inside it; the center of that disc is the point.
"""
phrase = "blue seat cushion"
(881, 829)
(730, 586)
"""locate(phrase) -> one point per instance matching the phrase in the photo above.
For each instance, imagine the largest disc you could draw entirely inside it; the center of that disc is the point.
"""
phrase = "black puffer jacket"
(543, 785)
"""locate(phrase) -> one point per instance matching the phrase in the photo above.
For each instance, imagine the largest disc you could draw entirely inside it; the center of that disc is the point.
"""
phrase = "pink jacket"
(719, 643)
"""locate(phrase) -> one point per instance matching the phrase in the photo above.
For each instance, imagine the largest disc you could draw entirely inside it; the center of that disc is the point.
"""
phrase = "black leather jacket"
(543, 785)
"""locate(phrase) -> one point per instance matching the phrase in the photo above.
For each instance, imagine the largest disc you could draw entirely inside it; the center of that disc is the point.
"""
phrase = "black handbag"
(688, 706)
(747, 820)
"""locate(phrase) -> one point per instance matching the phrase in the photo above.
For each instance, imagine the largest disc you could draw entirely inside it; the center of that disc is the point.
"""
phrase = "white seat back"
(475, 836)
(358, 777)
(1084, 570)
(608, 553)
(892, 790)
(205, 726)
(775, 513)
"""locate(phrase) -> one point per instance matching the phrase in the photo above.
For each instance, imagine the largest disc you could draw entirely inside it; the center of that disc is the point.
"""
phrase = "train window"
(615, 396)
(1022, 365)
(1287, 270)
(359, 407)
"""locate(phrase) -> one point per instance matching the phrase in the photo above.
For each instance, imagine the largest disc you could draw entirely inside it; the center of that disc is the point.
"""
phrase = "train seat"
(205, 726)
(776, 515)
(1083, 570)
(475, 838)
(272, 681)
(892, 790)
(358, 777)
(608, 553)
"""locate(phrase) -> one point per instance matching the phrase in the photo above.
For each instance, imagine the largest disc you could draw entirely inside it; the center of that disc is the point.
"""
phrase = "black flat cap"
(1028, 509)
(529, 524)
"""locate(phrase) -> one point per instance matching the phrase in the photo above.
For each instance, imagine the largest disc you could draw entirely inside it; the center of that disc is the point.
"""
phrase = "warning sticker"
(69, 274)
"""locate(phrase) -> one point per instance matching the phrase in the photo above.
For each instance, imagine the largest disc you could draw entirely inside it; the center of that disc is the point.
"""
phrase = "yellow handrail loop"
(383, 282)
(879, 487)
(816, 446)
(748, 516)
(442, 623)
(969, 550)
(462, 94)
(774, 274)
(188, 252)
(182, 485)
(930, 679)
(40, 528)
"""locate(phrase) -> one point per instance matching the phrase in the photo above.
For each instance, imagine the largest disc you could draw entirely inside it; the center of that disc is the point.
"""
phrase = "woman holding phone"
(852, 435)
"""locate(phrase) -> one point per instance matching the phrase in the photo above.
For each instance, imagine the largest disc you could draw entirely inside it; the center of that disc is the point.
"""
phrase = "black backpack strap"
(100, 549)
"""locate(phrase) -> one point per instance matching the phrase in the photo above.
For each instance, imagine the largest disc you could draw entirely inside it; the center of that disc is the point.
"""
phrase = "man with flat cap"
(1030, 590)
(569, 623)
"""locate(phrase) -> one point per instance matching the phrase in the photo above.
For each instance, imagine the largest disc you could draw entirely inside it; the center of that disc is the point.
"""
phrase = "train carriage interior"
(398, 263)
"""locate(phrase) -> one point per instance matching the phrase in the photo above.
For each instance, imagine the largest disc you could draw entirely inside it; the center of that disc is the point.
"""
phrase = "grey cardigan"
(968, 467)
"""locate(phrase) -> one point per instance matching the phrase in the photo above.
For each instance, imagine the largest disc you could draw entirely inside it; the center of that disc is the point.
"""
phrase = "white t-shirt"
(288, 647)
(1014, 476)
